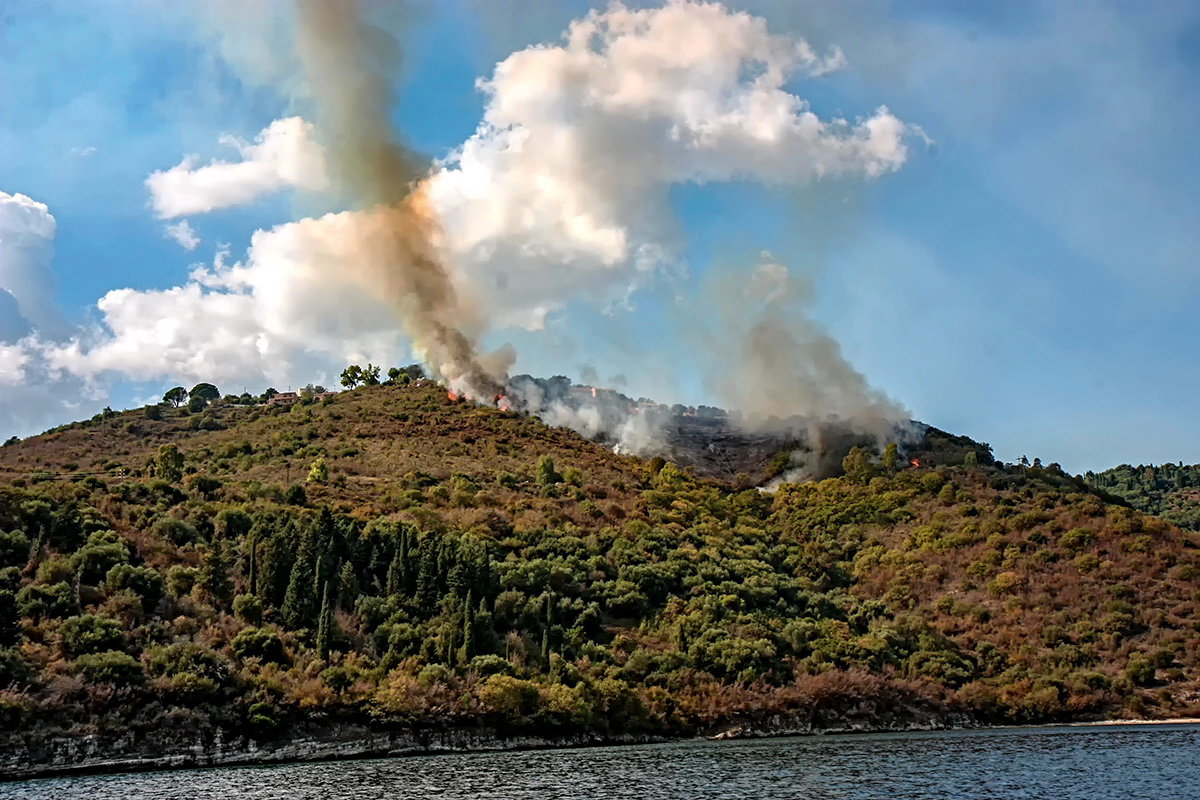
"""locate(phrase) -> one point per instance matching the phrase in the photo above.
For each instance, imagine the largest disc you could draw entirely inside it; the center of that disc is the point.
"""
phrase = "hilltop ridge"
(392, 559)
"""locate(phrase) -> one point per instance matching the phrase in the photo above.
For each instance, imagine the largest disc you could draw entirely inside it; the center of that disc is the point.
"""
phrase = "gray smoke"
(349, 66)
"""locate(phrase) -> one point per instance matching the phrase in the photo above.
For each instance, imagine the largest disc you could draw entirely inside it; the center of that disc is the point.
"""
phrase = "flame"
(916, 462)
(453, 395)
(503, 403)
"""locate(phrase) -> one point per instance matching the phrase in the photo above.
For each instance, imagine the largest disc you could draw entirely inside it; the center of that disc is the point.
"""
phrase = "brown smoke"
(349, 64)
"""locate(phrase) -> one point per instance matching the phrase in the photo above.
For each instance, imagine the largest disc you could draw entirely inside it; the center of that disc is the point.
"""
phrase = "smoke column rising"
(348, 63)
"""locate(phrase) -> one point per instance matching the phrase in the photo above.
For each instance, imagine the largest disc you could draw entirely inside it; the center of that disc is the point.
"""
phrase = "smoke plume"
(348, 64)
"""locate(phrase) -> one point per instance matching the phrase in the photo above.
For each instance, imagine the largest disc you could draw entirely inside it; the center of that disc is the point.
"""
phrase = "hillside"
(391, 558)
(1170, 491)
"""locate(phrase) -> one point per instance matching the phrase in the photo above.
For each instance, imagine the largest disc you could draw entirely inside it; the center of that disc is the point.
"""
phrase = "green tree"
(891, 457)
(325, 625)
(175, 396)
(319, 471)
(206, 391)
(370, 375)
(546, 474)
(352, 376)
(152, 412)
(299, 608)
(857, 465)
(169, 464)
(214, 578)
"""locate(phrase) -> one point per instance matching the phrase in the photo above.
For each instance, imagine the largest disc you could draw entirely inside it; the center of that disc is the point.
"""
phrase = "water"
(1090, 763)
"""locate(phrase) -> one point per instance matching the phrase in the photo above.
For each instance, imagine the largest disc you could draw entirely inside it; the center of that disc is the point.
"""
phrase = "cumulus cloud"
(283, 155)
(26, 247)
(183, 234)
(561, 193)
(562, 190)
(292, 306)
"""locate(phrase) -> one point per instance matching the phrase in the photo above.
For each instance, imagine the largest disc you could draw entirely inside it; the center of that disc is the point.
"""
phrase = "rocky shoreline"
(162, 750)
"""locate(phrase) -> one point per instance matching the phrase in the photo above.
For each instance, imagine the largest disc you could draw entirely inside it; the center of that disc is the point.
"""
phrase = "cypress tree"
(546, 631)
(325, 625)
(299, 602)
(395, 573)
(253, 566)
(214, 577)
(467, 651)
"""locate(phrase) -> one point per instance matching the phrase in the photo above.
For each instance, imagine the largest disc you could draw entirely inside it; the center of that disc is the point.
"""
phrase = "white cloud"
(26, 246)
(290, 308)
(559, 194)
(13, 358)
(284, 155)
(561, 191)
(183, 234)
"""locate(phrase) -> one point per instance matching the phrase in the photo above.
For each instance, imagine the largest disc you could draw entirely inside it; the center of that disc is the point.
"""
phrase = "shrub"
(110, 666)
(56, 569)
(93, 561)
(1140, 671)
(39, 601)
(261, 643)
(14, 549)
(146, 582)
(248, 609)
(13, 669)
(181, 580)
(509, 698)
(91, 633)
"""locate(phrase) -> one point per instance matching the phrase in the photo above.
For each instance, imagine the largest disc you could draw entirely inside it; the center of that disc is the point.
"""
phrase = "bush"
(261, 643)
(509, 698)
(56, 569)
(176, 531)
(93, 561)
(115, 667)
(145, 582)
(194, 671)
(1140, 671)
(248, 609)
(39, 601)
(13, 669)
(181, 580)
(91, 633)
(14, 549)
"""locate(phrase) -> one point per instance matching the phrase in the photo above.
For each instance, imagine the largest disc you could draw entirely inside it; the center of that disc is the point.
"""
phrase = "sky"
(991, 208)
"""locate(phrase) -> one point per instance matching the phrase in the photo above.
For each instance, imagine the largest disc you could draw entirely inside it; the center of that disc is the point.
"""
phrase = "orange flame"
(916, 462)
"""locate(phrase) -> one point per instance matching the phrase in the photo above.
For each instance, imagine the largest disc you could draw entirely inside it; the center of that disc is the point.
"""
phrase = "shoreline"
(379, 745)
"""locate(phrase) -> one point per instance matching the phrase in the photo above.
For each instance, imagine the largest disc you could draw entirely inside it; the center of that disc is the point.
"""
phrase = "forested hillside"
(393, 557)
(1171, 491)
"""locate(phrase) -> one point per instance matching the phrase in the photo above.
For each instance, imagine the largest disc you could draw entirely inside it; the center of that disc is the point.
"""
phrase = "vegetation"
(1171, 491)
(391, 556)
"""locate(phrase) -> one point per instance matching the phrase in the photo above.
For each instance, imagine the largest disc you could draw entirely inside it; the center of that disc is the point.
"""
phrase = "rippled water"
(1091, 763)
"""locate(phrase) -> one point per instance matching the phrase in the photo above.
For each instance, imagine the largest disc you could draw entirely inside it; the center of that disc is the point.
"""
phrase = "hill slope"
(452, 565)
(1171, 491)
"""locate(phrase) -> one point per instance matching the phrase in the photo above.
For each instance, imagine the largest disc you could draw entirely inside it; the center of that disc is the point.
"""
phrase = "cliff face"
(177, 749)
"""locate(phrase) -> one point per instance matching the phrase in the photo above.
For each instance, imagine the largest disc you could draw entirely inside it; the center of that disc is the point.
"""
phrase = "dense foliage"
(1171, 491)
(390, 555)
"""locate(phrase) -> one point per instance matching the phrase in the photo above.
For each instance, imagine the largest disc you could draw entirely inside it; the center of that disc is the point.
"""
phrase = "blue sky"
(1029, 278)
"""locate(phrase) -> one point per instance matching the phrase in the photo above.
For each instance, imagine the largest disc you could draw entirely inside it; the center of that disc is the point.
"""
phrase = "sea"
(1121, 762)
